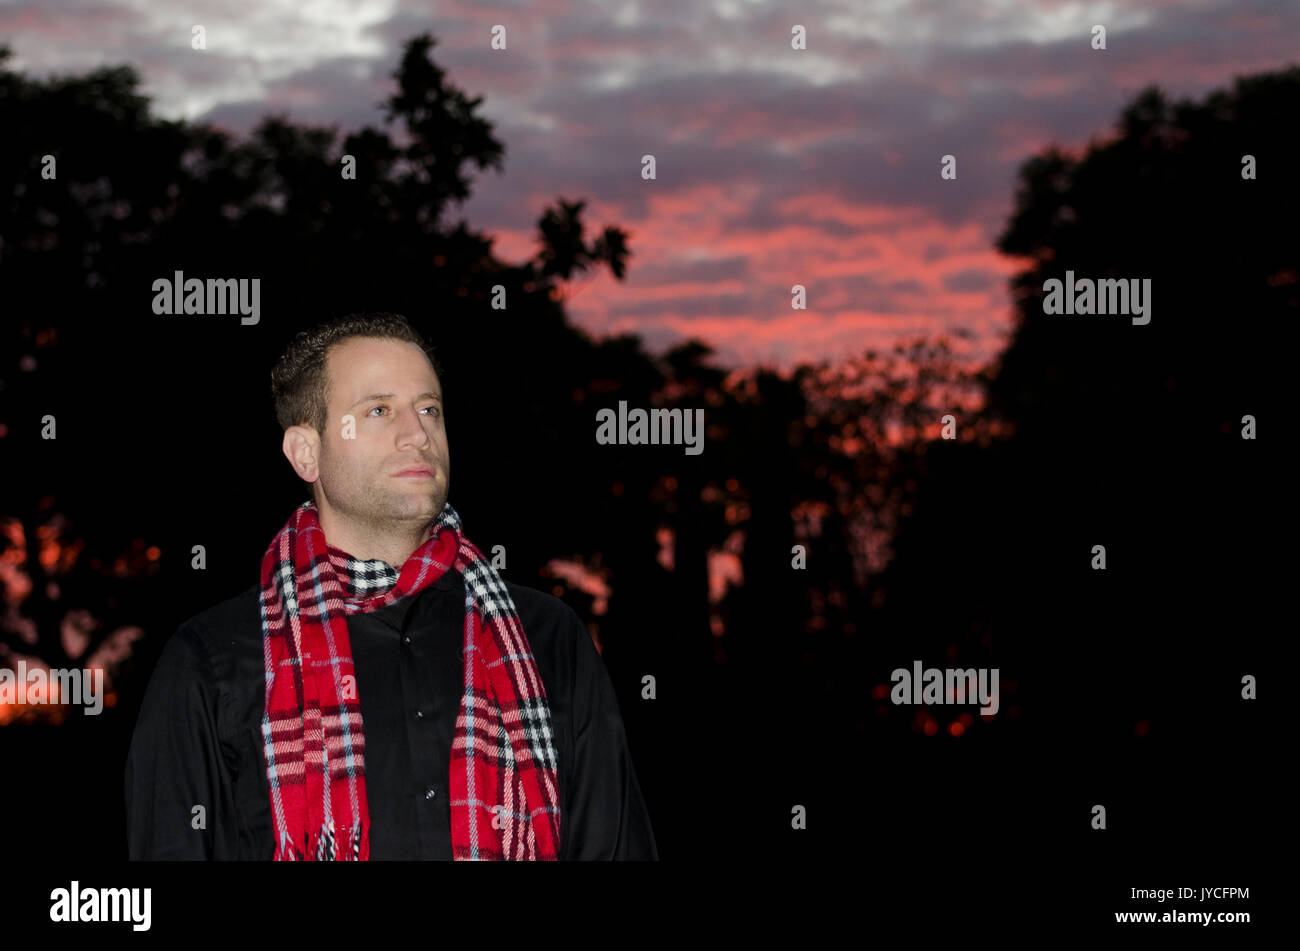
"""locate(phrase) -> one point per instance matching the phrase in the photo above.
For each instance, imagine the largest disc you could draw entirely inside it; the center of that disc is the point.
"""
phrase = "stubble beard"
(390, 510)
(403, 510)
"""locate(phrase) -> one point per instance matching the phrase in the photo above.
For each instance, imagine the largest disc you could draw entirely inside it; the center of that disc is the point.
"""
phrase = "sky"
(775, 166)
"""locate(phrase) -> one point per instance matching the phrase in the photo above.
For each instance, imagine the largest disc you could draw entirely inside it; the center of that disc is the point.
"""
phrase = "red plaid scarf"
(504, 798)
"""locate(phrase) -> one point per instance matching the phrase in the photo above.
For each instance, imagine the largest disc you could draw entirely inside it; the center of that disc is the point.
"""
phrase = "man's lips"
(414, 472)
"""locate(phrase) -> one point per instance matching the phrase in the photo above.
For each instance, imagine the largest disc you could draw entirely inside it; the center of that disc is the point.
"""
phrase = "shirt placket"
(424, 748)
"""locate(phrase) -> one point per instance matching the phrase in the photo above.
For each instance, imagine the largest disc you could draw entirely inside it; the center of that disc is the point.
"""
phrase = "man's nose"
(414, 428)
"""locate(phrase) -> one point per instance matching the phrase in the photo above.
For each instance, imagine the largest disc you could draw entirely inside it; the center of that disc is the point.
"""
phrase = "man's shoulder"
(205, 639)
(556, 635)
(237, 610)
(238, 614)
(541, 607)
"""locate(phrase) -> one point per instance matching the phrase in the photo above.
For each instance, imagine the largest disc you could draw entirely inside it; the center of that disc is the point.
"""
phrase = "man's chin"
(412, 508)
(431, 506)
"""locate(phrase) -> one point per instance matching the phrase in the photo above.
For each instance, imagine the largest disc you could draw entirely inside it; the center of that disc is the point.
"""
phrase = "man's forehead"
(378, 366)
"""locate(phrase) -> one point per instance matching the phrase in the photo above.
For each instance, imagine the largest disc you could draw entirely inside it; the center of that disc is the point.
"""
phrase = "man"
(382, 693)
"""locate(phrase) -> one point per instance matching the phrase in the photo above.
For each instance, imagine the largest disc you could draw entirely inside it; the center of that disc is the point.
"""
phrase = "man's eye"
(435, 409)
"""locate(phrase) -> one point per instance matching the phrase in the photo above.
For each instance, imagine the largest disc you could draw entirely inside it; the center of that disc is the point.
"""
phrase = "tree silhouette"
(1129, 437)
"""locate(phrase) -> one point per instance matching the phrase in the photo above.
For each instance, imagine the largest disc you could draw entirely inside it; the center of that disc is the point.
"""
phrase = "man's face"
(389, 388)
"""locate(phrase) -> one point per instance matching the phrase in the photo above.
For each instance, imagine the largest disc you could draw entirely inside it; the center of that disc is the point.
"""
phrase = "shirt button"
(429, 793)
(406, 638)
(419, 714)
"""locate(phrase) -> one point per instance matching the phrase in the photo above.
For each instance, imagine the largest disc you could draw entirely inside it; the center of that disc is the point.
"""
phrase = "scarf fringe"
(324, 846)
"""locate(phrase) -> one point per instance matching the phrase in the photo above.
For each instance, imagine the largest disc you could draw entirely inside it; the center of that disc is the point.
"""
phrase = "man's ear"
(301, 447)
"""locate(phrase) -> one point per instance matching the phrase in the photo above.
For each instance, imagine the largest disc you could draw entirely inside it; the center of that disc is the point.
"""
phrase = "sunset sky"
(775, 166)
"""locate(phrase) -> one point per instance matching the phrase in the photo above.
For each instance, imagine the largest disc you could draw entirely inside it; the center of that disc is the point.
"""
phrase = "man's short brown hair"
(299, 381)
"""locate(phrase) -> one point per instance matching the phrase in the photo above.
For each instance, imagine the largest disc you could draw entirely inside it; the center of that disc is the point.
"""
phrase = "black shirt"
(198, 740)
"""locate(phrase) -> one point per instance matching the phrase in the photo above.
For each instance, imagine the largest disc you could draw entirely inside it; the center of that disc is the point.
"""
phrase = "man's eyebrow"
(427, 394)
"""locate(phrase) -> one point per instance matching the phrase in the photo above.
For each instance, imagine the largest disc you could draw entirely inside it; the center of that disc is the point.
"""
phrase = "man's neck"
(393, 547)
